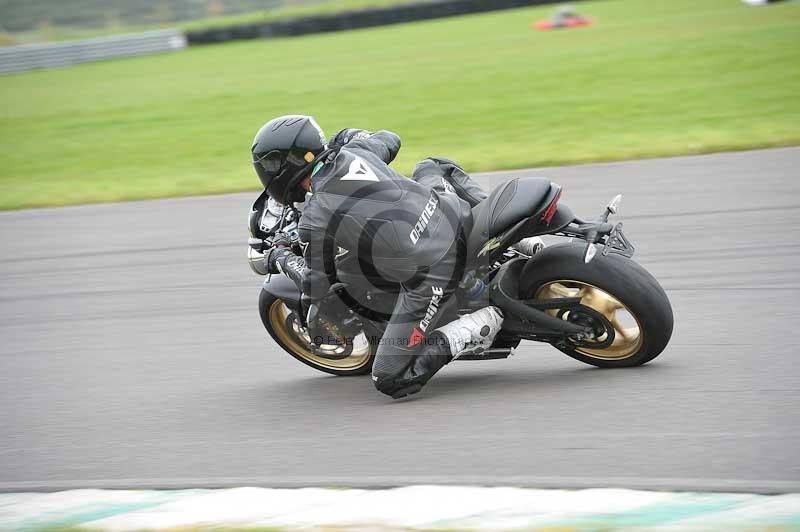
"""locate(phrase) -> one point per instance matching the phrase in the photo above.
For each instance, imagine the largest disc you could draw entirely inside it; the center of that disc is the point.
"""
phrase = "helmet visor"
(268, 166)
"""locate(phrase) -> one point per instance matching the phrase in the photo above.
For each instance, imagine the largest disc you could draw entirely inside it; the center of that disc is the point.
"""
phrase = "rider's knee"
(426, 167)
(383, 383)
(442, 161)
(395, 387)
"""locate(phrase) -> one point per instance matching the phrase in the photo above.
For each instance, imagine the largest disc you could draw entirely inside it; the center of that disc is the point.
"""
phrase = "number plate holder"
(618, 243)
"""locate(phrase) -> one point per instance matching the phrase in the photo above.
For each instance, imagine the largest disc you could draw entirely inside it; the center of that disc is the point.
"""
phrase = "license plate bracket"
(618, 243)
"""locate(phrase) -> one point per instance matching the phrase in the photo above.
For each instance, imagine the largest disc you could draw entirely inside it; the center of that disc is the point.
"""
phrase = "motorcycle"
(586, 297)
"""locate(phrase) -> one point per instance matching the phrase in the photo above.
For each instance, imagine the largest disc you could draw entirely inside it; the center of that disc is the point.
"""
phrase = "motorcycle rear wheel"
(619, 293)
(282, 325)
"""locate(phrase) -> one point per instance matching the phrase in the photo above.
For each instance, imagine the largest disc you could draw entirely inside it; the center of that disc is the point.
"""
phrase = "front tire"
(613, 287)
(282, 325)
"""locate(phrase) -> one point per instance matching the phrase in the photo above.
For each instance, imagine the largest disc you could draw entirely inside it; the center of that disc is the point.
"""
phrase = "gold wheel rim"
(297, 341)
(627, 339)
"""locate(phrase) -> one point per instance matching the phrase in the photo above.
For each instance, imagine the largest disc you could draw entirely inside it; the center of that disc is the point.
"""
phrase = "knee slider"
(394, 387)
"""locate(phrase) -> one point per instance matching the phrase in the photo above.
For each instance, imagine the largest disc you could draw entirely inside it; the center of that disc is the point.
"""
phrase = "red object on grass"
(577, 22)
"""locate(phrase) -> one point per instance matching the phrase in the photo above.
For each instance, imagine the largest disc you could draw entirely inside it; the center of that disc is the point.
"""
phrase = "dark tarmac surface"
(132, 355)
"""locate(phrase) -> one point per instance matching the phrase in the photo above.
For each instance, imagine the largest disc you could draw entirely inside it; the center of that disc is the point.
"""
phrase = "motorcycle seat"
(506, 205)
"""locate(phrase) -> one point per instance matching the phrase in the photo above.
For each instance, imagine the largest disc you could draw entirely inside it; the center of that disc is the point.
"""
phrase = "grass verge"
(648, 79)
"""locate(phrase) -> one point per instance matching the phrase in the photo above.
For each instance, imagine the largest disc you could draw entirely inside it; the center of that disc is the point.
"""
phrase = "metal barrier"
(33, 56)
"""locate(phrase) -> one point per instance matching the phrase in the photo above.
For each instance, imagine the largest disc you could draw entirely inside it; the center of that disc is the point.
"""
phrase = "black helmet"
(284, 147)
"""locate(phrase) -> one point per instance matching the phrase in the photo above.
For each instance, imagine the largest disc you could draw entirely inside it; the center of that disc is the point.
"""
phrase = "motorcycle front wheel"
(284, 327)
(625, 305)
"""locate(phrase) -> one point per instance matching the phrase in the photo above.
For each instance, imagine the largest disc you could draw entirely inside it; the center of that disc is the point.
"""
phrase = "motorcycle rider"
(409, 232)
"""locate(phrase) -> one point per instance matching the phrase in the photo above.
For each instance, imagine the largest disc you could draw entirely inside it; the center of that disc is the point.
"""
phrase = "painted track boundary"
(434, 507)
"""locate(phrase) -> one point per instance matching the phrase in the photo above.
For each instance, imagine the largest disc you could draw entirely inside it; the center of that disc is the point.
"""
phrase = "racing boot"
(529, 246)
(473, 333)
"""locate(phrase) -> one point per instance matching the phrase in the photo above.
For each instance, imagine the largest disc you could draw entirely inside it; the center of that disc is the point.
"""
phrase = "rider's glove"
(280, 240)
(274, 256)
(344, 136)
(280, 250)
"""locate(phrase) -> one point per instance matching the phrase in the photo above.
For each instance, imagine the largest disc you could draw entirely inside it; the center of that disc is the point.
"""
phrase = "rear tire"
(561, 268)
(278, 321)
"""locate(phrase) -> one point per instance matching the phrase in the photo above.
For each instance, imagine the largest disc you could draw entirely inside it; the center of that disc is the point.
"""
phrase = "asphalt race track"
(132, 355)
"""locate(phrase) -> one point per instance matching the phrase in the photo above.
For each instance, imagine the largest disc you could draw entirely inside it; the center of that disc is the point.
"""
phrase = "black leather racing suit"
(370, 225)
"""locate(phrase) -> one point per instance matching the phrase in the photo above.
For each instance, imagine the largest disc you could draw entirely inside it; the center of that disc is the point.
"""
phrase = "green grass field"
(649, 78)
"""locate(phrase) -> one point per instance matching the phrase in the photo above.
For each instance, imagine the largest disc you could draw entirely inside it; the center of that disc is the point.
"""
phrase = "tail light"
(550, 211)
